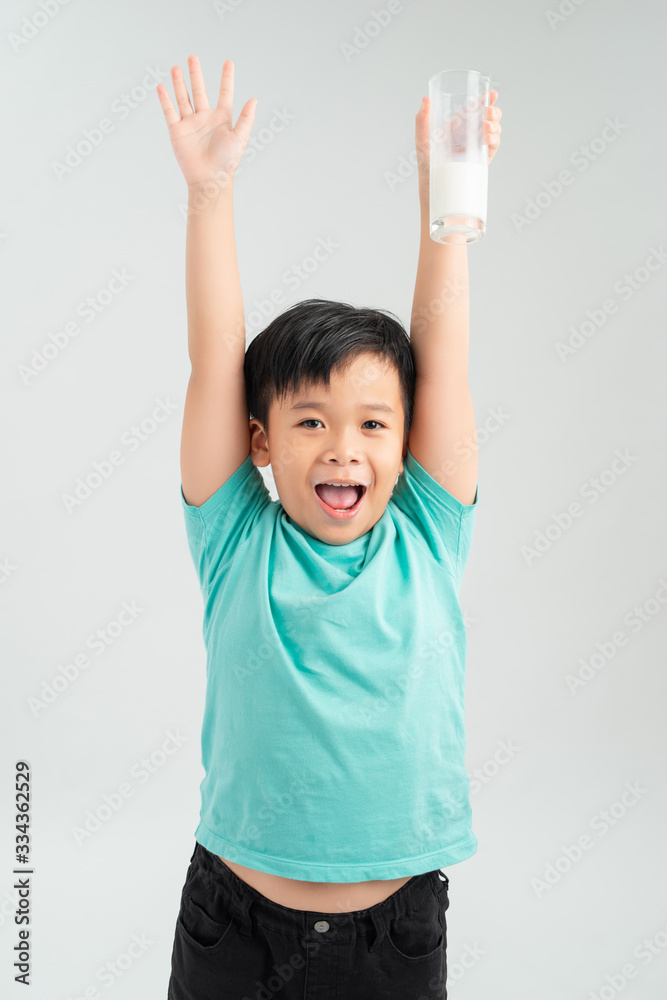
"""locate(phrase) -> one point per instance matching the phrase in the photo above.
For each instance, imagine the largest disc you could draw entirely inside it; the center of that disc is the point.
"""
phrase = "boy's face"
(336, 436)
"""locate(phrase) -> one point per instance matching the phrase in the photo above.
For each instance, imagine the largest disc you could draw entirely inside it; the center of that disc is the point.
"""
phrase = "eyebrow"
(316, 405)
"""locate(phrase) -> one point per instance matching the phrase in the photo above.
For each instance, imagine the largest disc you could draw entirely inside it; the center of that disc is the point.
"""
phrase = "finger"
(422, 136)
(245, 120)
(226, 94)
(198, 85)
(170, 112)
(422, 123)
(182, 96)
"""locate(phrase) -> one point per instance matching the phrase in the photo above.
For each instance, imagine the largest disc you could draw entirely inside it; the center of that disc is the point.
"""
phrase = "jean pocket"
(205, 931)
(418, 936)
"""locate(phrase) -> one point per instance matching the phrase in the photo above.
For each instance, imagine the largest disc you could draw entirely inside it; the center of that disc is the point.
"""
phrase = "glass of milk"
(459, 156)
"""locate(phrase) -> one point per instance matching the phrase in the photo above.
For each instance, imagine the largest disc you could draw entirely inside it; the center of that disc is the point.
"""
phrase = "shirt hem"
(343, 872)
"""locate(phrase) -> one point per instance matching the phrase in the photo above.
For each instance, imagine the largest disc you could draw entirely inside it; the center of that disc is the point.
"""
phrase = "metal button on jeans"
(321, 925)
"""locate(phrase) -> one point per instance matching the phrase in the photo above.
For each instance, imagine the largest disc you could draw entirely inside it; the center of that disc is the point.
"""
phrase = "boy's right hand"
(204, 142)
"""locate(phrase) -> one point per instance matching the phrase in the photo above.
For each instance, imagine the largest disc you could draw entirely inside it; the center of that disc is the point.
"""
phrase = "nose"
(343, 448)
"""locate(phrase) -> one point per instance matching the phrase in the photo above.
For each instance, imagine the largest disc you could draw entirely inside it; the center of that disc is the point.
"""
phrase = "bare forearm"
(216, 323)
(440, 321)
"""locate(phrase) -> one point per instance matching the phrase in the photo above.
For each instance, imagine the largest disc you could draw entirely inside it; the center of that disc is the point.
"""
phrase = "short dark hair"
(304, 344)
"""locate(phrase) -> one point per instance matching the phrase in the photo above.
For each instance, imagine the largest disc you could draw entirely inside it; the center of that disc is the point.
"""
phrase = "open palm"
(204, 142)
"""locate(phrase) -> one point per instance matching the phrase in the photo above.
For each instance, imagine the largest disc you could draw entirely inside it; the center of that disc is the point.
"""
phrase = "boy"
(333, 732)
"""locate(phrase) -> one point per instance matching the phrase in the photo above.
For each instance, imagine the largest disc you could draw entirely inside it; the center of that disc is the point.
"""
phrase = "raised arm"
(442, 435)
(215, 438)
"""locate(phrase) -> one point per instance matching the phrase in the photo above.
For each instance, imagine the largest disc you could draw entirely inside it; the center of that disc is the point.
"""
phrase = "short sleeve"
(444, 522)
(216, 528)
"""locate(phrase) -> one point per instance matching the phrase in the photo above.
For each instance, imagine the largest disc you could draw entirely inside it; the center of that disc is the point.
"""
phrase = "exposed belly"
(321, 897)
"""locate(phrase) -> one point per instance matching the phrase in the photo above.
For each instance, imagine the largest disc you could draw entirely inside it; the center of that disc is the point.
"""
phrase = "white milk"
(459, 189)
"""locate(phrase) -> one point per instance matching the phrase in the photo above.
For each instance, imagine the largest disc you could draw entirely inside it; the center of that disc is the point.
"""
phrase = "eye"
(314, 420)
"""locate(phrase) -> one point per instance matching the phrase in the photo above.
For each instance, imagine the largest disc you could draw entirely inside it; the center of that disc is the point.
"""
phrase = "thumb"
(245, 120)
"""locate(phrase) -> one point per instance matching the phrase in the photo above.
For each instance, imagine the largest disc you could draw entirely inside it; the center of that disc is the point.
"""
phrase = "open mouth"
(340, 511)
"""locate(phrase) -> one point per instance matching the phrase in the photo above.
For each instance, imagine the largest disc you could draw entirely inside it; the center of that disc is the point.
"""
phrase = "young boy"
(333, 734)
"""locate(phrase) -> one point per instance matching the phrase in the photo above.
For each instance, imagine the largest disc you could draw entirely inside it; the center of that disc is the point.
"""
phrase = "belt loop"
(380, 926)
(244, 910)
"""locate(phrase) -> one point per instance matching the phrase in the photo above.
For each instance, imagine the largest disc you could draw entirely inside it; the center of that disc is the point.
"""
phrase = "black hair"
(303, 345)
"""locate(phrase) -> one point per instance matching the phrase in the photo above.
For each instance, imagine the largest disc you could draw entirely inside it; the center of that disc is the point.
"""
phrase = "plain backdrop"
(566, 587)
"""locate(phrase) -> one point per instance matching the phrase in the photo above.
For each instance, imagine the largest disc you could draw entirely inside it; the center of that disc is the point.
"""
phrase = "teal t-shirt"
(333, 735)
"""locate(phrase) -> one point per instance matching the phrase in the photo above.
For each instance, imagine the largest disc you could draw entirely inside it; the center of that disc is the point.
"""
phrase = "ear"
(259, 443)
(404, 455)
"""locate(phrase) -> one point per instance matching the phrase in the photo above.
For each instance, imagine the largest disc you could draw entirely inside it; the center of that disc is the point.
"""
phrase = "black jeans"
(232, 943)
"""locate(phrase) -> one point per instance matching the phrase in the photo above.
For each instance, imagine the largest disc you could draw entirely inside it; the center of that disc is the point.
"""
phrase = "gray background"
(327, 174)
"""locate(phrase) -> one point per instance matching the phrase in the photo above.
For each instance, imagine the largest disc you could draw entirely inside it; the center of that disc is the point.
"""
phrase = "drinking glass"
(459, 156)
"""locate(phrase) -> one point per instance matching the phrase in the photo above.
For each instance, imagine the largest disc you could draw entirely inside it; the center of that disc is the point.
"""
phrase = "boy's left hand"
(492, 130)
(492, 126)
